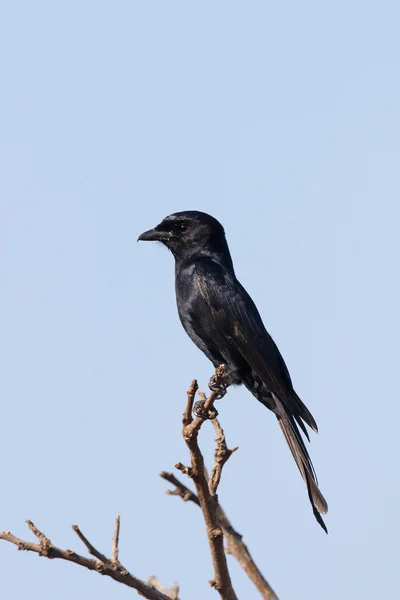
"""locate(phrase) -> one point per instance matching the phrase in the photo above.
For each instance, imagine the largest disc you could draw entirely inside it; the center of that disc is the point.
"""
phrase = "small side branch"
(172, 593)
(180, 489)
(115, 543)
(109, 567)
(91, 549)
(235, 545)
(221, 455)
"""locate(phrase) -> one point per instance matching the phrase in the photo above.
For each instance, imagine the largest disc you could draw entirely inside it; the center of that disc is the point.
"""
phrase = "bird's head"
(189, 234)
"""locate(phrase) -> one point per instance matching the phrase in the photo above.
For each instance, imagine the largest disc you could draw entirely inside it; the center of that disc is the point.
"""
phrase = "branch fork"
(217, 523)
(206, 491)
(110, 567)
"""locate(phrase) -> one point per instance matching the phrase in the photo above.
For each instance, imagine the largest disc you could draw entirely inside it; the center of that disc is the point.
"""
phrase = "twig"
(239, 550)
(102, 565)
(172, 593)
(115, 542)
(235, 545)
(191, 393)
(221, 455)
(208, 502)
(45, 543)
(91, 549)
(180, 489)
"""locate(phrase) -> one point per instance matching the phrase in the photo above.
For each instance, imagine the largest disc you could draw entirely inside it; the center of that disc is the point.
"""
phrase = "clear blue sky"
(283, 121)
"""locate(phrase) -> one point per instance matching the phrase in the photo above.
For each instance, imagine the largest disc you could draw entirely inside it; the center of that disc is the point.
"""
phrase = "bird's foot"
(199, 411)
(217, 385)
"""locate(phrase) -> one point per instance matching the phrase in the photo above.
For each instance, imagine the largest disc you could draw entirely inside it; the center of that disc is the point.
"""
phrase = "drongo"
(222, 320)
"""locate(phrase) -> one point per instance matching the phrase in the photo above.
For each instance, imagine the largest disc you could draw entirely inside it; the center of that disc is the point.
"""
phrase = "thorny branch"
(103, 565)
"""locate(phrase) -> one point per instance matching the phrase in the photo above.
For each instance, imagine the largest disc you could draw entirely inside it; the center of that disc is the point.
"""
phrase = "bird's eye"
(182, 227)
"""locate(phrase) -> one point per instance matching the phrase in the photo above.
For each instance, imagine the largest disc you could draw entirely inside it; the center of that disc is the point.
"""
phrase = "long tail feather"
(303, 462)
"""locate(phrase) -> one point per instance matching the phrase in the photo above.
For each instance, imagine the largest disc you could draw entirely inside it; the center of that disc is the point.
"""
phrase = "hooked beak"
(154, 235)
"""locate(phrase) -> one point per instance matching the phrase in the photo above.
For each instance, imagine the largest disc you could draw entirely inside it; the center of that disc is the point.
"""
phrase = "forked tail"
(303, 461)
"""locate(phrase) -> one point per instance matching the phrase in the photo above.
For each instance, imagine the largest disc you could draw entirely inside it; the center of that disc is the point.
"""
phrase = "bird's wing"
(238, 320)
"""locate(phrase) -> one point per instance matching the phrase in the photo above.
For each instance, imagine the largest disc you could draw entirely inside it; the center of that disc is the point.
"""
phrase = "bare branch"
(221, 455)
(239, 550)
(217, 524)
(91, 549)
(115, 542)
(102, 565)
(235, 546)
(208, 502)
(191, 393)
(180, 489)
(45, 543)
(172, 593)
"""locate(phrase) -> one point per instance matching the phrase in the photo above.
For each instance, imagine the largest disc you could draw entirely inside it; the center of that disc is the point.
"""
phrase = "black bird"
(222, 320)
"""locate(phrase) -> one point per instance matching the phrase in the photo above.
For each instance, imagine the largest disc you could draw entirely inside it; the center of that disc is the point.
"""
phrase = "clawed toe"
(198, 410)
(217, 387)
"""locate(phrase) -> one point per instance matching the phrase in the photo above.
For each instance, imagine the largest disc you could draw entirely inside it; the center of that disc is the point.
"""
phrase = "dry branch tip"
(115, 542)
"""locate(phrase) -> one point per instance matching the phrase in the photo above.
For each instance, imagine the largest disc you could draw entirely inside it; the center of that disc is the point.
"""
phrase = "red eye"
(183, 227)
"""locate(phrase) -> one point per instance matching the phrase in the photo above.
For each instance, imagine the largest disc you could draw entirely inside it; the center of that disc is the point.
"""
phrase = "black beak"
(154, 235)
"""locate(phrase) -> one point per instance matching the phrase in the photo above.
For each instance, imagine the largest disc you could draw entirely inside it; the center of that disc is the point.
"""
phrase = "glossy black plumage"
(222, 320)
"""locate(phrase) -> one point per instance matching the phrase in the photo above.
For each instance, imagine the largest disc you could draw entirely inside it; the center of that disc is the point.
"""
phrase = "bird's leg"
(218, 384)
(220, 381)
